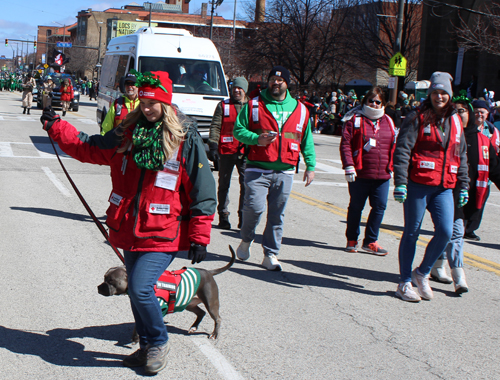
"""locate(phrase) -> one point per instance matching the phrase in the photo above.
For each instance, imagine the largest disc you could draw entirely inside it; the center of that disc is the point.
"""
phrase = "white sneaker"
(243, 250)
(271, 263)
(422, 283)
(406, 293)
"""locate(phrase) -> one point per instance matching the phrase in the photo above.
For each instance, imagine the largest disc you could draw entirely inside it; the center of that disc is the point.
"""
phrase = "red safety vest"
(227, 143)
(495, 140)
(431, 164)
(121, 111)
(287, 145)
(358, 141)
(483, 168)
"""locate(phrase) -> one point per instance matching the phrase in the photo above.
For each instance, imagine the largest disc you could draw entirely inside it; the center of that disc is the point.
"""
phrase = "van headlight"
(76, 93)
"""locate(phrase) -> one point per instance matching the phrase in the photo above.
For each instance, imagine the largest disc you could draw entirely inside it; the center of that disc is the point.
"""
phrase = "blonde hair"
(173, 131)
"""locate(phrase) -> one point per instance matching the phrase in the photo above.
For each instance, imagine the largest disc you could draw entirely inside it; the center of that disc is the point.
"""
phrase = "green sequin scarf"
(148, 149)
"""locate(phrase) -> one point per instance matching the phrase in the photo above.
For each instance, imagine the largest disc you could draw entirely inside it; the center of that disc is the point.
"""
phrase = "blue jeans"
(377, 191)
(143, 270)
(272, 189)
(455, 248)
(439, 202)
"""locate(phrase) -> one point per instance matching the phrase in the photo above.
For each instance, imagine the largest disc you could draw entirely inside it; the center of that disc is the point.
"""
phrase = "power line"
(435, 3)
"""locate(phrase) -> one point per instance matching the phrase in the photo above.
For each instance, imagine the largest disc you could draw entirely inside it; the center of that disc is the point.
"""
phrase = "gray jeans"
(271, 188)
(226, 164)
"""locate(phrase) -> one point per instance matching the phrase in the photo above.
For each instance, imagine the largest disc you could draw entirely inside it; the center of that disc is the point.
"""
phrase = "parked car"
(56, 94)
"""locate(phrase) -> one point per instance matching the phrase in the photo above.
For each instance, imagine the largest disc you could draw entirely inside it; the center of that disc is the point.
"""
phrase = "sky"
(19, 19)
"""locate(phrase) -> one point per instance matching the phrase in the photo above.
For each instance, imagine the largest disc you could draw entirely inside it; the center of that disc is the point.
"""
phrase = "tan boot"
(438, 272)
(458, 275)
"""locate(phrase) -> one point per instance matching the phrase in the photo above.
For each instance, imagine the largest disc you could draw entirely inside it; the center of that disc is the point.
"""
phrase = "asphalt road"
(328, 315)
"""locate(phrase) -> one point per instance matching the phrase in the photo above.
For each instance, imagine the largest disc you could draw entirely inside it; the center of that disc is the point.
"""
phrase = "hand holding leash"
(48, 118)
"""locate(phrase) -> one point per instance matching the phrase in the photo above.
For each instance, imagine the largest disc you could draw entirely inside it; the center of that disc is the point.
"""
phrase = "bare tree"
(480, 30)
(374, 33)
(82, 61)
(303, 35)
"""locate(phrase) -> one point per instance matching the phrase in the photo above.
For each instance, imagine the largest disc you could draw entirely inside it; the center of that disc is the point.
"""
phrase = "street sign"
(392, 82)
(64, 44)
(397, 65)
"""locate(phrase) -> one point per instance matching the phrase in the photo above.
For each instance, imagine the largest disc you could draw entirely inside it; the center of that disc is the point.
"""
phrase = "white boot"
(458, 275)
(438, 272)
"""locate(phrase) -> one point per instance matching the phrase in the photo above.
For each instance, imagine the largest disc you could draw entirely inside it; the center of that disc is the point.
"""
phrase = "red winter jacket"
(143, 216)
(67, 93)
(376, 163)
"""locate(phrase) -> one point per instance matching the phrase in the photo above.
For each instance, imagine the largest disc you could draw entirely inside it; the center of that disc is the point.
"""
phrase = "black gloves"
(197, 253)
(48, 118)
(213, 153)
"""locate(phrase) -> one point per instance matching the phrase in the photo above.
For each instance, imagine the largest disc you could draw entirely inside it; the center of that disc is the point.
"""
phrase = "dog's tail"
(215, 272)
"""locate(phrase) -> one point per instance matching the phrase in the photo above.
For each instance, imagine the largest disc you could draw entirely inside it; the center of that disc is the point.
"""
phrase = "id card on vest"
(168, 177)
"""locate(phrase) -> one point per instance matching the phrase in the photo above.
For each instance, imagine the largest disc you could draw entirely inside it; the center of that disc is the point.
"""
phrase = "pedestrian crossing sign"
(397, 65)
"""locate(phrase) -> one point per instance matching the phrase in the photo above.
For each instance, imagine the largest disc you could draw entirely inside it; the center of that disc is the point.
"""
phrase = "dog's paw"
(192, 330)
(213, 336)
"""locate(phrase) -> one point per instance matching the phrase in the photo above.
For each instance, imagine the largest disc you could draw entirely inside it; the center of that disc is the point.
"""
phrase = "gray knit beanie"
(241, 83)
(441, 81)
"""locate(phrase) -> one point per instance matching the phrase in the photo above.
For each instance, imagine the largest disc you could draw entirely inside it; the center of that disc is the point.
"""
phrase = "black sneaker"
(137, 359)
(471, 236)
(157, 358)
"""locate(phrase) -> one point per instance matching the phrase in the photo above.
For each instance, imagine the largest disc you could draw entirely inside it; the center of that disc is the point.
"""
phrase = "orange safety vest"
(287, 145)
(431, 164)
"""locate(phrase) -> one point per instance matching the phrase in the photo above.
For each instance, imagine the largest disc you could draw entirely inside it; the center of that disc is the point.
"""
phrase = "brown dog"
(115, 283)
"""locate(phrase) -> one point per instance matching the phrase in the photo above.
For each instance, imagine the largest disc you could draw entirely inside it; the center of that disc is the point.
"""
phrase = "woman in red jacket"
(66, 95)
(366, 151)
(163, 199)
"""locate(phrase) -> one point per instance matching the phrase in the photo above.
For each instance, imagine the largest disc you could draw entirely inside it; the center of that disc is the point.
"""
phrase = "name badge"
(227, 139)
(118, 109)
(173, 164)
(158, 208)
(427, 165)
(294, 146)
(166, 180)
(115, 199)
(427, 129)
(454, 169)
(226, 110)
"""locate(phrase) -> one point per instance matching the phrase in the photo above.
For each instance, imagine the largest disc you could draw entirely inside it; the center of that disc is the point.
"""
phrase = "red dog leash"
(87, 207)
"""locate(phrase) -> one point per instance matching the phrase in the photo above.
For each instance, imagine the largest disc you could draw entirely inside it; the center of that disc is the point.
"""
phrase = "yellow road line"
(469, 258)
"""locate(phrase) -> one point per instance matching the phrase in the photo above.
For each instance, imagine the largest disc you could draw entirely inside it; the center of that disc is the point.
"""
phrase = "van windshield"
(189, 76)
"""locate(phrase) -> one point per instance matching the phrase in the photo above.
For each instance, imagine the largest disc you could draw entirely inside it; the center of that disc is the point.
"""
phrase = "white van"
(193, 64)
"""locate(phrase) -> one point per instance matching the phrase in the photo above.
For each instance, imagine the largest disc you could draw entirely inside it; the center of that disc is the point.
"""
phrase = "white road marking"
(328, 168)
(6, 150)
(56, 182)
(226, 370)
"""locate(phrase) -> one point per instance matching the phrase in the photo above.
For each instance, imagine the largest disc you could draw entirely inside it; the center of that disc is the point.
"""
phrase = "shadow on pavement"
(484, 245)
(56, 346)
(57, 213)
(339, 276)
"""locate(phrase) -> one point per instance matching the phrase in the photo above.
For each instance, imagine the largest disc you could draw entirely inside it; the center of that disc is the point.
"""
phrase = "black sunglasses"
(377, 102)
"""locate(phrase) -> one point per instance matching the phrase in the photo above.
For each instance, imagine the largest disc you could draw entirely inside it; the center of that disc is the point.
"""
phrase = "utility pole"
(397, 45)
(212, 19)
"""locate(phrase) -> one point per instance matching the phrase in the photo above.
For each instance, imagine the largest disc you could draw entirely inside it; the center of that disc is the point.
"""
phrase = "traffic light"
(6, 42)
(34, 45)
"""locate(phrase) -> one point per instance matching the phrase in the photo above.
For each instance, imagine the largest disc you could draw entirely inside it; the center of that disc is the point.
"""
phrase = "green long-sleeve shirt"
(280, 110)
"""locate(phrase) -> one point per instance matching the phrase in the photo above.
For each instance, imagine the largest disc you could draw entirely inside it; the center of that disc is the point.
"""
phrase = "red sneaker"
(375, 249)
(352, 246)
